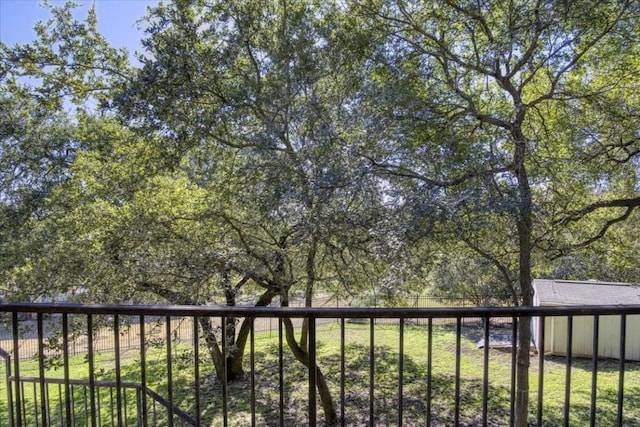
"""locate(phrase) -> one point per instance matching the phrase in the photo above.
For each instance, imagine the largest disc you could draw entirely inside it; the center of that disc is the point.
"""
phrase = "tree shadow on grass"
(606, 405)
(357, 383)
(414, 399)
(357, 390)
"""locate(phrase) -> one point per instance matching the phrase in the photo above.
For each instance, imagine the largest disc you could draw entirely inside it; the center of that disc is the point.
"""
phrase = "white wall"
(582, 339)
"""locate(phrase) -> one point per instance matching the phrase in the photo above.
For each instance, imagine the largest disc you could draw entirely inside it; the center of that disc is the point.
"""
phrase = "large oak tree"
(520, 117)
(291, 145)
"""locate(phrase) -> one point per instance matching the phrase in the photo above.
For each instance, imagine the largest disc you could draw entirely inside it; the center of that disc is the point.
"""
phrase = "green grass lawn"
(386, 402)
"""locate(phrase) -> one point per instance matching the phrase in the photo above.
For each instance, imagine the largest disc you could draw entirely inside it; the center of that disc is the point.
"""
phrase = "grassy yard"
(385, 380)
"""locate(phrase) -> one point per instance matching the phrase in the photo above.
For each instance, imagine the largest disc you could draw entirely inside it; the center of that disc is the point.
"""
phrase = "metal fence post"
(312, 371)
(7, 368)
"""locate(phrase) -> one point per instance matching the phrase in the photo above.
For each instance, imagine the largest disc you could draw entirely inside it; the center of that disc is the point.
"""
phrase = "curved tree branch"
(577, 215)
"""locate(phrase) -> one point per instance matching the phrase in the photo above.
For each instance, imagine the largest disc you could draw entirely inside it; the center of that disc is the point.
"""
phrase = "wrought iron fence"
(398, 367)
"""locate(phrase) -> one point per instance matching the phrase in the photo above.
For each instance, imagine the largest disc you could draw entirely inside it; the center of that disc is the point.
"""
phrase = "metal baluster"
(225, 409)
(169, 371)
(594, 367)
(116, 343)
(281, 371)
(252, 358)
(567, 385)
(541, 369)
(371, 371)
(312, 371)
(16, 369)
(143, 370)
(400, 372)
(43, 391)
(342, 371)
(429, 367)
(65, 361)
(485, 373)
(456, 413)
(92, 375)
(196, 362)
(621, 363)
(514, 347)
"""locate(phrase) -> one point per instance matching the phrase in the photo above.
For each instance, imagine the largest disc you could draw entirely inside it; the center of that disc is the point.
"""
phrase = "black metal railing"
(139, 406)
(182, 330)
(399, 366)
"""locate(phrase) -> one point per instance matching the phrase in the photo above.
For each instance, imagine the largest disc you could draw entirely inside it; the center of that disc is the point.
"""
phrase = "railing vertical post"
(196, 367)
(342, 371)
(7, 367)
(169, 371)
(429, 367)
(16, 370)
(281, 371)
(312, 371)
(485, 372)
(223, 339)
(143, 370)
(43, 390)
(60, 407)
(400, 372)
(541, 338)
(125, 410)
(252, 358)
(84, 403)
(92, 376)
(139, 398)
(594, 372)
(514, 349)
(65, 358)
(35, 404)
(113, 414)
(621, 362)
(456, 413)
(569, 361)
(116, 343)
(372, 370)
(155, 412)
(99, 408)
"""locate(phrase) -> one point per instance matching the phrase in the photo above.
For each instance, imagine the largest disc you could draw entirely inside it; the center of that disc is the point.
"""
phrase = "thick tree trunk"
(230, 325)
(523, 359)
(302, 356)
(522, 372)
(235, 358)
(308, 292)
(524, 225)
(212, 346)
(243, 335)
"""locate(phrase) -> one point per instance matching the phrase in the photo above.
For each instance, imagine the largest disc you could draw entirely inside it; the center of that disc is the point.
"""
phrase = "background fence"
(182, 328)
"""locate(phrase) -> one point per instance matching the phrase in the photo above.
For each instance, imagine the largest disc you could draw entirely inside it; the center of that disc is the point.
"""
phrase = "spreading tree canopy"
(297, 145)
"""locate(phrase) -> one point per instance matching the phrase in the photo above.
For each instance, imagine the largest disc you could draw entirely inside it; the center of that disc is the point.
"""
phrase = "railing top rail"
(318, 312)
(5, 354)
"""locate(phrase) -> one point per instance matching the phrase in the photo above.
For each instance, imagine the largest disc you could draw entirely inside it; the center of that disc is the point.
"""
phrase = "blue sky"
(116, 19)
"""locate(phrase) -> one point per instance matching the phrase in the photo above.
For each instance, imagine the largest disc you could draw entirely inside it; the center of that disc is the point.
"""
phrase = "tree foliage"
(296, 145)
(482, 95)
